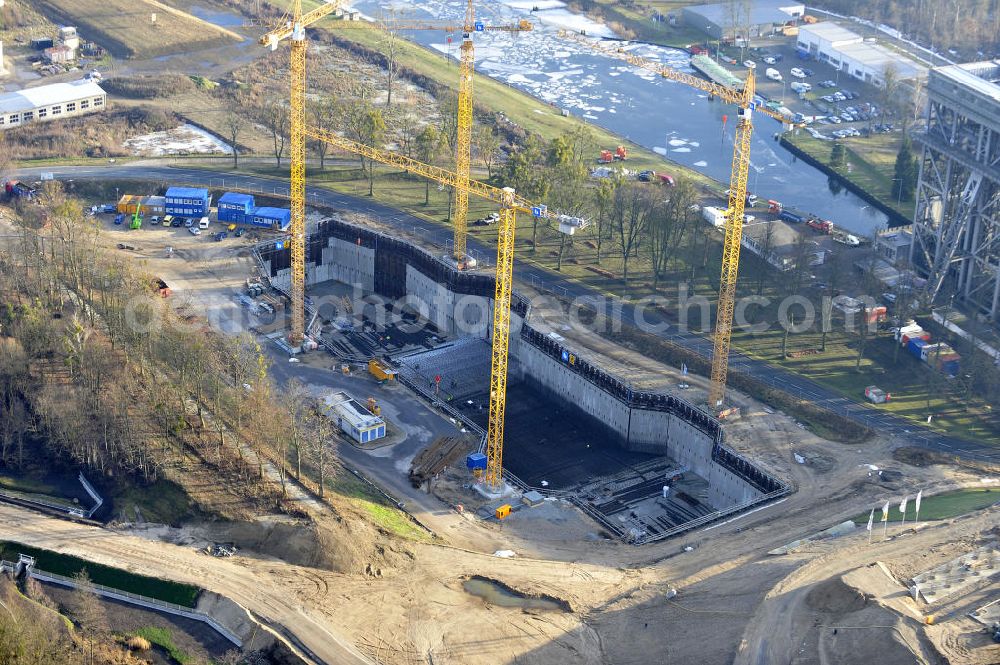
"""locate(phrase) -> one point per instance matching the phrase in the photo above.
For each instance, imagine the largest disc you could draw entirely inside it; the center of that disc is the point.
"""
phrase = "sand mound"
(835, 597)
(348, 545)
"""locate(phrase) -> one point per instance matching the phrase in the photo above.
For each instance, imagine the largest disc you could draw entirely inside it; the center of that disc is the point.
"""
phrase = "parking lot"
(829, 102)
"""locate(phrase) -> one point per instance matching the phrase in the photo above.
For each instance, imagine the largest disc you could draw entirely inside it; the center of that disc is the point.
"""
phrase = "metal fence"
(136, 599)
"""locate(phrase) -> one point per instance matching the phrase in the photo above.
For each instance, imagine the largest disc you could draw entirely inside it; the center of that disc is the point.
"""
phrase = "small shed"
(354, 419)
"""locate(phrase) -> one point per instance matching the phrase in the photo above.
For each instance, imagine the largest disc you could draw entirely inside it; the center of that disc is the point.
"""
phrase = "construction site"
(506, 482)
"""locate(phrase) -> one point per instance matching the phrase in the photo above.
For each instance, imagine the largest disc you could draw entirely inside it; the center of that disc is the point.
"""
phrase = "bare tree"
(323, 112)
(234, 123)
(631, 211)
(487, 145)
(389, 48)
(321, 444)
(276, 120)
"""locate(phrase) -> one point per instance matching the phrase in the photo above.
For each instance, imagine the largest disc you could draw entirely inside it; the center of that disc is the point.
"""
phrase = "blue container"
(476, 461)
(272, 218)
(950, 368)
(187, 202)
(915, 347)
(234, 207)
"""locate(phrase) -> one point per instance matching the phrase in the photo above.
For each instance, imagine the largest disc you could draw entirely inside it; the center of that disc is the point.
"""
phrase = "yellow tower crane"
(510, 204)
(463, 139)
(295, 29)
(744, 99)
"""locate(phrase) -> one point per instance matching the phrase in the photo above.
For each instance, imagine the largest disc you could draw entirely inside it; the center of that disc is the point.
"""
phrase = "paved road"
(887, 423)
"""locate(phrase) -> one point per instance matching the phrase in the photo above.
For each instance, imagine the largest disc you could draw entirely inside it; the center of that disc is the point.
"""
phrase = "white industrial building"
(850, 53)
(354, 419)
(51, 102)
(751, 19)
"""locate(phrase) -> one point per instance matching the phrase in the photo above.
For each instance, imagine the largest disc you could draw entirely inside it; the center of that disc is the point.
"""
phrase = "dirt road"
(267, 596)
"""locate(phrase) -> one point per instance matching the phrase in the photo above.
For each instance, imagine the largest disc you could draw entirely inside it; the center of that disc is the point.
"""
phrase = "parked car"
(750, 64)
(108, 207)
(203, 224)
(828, 84)
(770, 60)
(119, 218)
(189, 222)
(773, 74)
(194, 230)
(647, 176)
(797, 73)
(807, 71)
(835, 120)
(176, 222)
(240, 232)
(154, 220)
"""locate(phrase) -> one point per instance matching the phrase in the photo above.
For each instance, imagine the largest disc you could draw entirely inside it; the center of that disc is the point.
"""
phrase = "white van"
(203, 224)
(773, 74)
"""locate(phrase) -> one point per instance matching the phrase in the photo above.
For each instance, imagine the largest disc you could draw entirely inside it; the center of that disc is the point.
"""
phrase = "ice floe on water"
(637, 103)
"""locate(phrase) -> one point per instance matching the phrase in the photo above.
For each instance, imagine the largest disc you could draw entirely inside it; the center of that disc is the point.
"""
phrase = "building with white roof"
(354, 419)
(850, 53)
(754, 18)
(51, 102)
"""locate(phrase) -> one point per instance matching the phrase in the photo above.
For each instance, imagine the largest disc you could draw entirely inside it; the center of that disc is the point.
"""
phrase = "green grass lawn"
(871, 167)
(940, 506)
(65, 564)
(376, 506)
(909, 381)
(162, 638)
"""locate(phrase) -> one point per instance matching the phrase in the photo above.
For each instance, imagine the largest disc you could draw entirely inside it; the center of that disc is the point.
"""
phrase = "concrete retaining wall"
(461, 304)
(642, 430)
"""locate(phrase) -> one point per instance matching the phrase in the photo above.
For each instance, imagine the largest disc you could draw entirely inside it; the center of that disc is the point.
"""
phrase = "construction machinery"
(744, 100)
(510, 204)
(463, 140)
(295, 30)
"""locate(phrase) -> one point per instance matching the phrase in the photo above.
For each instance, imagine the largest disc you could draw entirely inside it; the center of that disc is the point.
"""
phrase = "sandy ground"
(733, 600)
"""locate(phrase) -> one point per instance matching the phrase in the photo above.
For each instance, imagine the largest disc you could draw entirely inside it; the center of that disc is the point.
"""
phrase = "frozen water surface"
(591, 85)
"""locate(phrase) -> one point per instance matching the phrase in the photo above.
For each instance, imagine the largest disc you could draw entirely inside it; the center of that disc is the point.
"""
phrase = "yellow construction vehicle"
(744, 100)
(379, 370)
(510, 203)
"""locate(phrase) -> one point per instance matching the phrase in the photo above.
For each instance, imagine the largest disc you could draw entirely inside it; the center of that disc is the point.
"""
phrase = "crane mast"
(744, 99)
(463, 136)
(731, 247)
(510, 203)
(297, 154)
(501, 341)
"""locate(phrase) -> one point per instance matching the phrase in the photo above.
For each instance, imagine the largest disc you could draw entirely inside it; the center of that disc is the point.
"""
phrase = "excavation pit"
(644, 465)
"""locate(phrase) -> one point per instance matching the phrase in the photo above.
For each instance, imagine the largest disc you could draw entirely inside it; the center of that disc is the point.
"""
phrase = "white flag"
(885, 512)
(902, 505)
(871, 518)
(917, 506)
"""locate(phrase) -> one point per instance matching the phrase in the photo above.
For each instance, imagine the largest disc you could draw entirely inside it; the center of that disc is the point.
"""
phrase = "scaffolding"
(957, 220)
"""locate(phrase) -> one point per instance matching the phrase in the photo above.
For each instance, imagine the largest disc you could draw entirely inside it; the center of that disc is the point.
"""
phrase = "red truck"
(821, 225)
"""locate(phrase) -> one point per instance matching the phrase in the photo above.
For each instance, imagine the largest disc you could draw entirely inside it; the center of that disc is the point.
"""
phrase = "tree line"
(98, 371)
